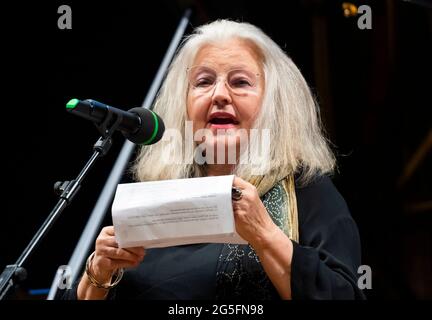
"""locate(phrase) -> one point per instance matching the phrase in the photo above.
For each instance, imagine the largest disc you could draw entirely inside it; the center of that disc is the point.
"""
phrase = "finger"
(118, 253)
(103, 242)
(108, 231)
(236, 209)
(237, 181)
(138, 251)
(118, 263)
(238, 204)
(240, 183)
(239, 212)
(102, 267)
(108, 241)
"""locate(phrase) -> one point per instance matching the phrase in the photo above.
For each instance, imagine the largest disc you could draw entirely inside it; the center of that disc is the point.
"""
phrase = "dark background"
(373, 86)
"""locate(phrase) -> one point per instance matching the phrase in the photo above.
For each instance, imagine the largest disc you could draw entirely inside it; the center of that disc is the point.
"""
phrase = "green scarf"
(280, 202)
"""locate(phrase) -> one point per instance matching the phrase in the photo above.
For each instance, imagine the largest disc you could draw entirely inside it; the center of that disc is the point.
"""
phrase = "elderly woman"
(302, 241)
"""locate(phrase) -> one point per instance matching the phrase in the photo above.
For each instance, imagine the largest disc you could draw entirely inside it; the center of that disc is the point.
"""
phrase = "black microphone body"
(139, 125)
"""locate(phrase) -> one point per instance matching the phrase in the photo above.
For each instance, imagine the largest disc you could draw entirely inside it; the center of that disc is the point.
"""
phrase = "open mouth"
(222, 121)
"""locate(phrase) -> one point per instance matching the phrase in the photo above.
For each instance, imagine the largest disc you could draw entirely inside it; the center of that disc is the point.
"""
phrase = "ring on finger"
(236, 193)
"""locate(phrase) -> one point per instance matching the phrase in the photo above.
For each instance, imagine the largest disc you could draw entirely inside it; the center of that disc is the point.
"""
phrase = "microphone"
(139, 125)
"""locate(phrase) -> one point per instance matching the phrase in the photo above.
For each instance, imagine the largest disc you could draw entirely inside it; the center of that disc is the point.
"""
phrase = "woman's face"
(226, 86)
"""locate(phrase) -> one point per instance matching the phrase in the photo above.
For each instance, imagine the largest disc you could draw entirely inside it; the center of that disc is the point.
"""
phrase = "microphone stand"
(68, 274)
(15, 273)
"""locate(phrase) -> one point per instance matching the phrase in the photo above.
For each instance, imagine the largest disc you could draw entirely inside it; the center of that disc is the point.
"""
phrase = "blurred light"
(349, 9)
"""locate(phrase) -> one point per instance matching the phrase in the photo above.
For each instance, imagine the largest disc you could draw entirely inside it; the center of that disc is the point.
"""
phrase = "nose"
(221, 94)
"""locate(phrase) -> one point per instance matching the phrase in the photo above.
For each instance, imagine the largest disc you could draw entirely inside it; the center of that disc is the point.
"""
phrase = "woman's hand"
(252, 221)
(109, 257)
(274, 248)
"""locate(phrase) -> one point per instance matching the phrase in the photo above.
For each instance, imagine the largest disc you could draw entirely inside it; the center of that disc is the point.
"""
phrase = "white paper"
(175, 212)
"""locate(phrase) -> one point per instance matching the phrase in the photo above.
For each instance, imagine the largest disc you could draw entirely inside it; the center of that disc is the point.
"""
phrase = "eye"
(240, 82)
(203, 81)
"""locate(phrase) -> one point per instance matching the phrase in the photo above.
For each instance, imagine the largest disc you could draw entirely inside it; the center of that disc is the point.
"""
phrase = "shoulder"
(320, 201)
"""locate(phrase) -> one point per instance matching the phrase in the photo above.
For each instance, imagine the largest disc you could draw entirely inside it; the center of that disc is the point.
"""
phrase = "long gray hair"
(288, 110)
